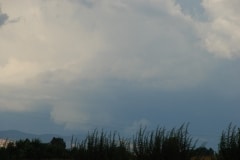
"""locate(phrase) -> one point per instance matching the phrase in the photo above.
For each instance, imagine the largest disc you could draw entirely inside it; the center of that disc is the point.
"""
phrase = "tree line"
(159, 144)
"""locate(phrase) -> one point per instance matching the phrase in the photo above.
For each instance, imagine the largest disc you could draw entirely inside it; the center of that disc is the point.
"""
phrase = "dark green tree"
(56, 148)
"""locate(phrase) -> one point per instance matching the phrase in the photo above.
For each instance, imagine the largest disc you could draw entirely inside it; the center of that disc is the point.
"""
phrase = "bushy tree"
(56, 148)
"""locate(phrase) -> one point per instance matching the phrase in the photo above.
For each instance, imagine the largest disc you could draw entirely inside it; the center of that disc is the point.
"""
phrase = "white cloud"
(221, 33)
(15, 72)
(66, 114)
(79, 115)
(63, 49)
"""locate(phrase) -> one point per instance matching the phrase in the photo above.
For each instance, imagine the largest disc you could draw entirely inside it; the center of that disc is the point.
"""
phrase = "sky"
(69, 66)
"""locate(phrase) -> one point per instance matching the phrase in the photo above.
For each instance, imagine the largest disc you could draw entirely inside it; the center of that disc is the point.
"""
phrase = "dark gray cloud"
(3, 18)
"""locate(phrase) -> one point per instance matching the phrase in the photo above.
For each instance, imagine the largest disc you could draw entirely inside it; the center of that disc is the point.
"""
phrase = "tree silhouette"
(229, 146)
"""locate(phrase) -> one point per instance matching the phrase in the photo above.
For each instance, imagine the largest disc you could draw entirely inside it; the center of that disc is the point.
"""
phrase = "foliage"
(34, 149)
(229, 146)
(104, 146)
(159, 144)
(203, 153)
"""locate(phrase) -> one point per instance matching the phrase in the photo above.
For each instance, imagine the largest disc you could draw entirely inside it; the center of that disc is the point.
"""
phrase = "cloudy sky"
(68, 66)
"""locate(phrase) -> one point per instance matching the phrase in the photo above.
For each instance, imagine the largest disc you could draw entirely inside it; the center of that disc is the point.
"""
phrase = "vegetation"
(159, 144)
(229, 146)
(162, 145)
(103, 146)
(34, 149)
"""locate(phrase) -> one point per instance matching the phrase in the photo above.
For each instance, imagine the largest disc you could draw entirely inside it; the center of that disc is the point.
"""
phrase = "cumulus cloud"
(78, 55)
(221, 33)
(15, 72)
